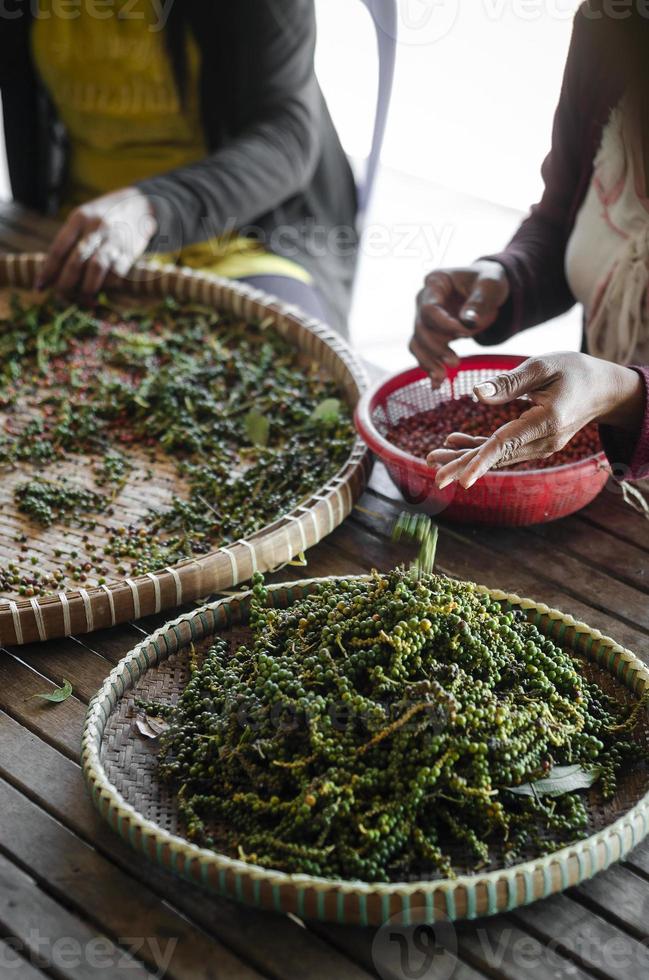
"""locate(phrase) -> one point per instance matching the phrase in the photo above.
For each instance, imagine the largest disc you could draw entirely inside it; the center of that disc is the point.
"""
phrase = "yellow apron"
(113, 87)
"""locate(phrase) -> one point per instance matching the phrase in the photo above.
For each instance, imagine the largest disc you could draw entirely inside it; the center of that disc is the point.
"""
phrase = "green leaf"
(326, 411)
(560, 780)
(56, 696)
(257, 427)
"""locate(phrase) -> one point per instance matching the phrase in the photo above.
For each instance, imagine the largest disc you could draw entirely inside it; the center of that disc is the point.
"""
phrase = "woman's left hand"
(566, 391)
(104, 236)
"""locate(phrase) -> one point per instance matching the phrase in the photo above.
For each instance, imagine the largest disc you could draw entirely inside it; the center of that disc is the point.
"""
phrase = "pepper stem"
(420, 529)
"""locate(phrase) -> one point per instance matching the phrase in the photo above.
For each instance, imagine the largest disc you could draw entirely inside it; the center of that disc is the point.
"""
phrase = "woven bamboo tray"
(119, 766)
(86, 609)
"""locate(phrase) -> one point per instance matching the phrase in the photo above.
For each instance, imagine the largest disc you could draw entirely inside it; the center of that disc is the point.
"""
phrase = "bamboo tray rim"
(83, 610)
(114, 808)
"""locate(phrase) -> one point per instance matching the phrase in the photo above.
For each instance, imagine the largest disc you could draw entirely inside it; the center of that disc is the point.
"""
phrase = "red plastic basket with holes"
(513, 498)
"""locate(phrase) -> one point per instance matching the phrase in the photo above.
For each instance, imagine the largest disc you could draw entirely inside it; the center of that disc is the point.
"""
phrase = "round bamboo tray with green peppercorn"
(494, 695)
(162, 445)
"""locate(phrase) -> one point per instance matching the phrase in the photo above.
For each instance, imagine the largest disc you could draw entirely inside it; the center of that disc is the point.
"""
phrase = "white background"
(472, 105)
(476, 87)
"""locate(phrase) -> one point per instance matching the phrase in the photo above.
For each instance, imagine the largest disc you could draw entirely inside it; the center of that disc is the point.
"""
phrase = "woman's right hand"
(566, 391)
(455, 303)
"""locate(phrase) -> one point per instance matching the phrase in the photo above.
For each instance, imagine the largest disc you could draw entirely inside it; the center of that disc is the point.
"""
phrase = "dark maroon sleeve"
(628, 453)
(534, 259)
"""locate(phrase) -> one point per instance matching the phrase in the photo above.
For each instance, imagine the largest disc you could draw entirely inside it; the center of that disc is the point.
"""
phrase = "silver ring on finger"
(89, 245)
(110, 255)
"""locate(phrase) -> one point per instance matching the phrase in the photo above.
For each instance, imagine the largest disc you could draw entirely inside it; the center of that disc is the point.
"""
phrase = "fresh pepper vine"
(380, 727)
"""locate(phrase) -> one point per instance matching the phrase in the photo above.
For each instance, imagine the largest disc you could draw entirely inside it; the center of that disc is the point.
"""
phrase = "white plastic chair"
(384, 14)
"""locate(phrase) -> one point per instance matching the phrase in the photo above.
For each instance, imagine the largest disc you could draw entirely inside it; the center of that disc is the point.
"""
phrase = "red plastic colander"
(516, 497)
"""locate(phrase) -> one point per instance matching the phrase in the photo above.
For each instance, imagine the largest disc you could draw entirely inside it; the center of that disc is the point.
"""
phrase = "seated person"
(203, 137)
(588, 238)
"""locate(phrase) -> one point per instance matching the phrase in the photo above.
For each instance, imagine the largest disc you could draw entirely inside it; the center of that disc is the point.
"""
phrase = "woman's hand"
(105, 235)
(566, 392)
(455, 303)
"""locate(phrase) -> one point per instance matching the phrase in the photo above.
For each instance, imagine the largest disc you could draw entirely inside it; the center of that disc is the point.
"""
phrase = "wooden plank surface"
(37, 922)
(14, 963)
(61, 865)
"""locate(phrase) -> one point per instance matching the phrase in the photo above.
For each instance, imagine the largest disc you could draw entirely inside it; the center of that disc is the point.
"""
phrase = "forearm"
(535, 257)
(234, 186)
(534, 264)
(625, 430)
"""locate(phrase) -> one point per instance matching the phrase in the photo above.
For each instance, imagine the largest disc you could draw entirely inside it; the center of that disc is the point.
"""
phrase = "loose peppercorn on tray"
(163, 444)
(120, 760)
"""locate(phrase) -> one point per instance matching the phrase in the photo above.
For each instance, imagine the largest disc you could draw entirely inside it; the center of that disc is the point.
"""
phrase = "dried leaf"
(151, 727)
(560, 780)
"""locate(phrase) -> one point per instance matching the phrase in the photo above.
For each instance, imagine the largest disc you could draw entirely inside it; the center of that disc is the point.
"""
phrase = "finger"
(453, 468)
(438, 289)
(436, 317)
(483, 305)
(525, 379)
(436, 346)
(75, 264)
(435, 304)
(471, 464)
(438, 375)
(460, 440)
(506, 445)
(461, 458)
(65, 239)
(441, 457)
(93, 274)
(539, 449)
(123, 265)
(428, 360)
(71, 273)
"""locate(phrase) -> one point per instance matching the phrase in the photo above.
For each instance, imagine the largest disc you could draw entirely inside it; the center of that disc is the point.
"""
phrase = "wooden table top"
(76, 902)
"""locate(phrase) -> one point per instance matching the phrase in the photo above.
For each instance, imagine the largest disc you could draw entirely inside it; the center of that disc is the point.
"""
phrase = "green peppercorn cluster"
(377, 728)
(47, 502)
(184, 380)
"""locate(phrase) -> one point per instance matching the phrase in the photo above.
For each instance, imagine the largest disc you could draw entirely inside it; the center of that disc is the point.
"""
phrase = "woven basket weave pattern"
(468, 896)
(85, 610)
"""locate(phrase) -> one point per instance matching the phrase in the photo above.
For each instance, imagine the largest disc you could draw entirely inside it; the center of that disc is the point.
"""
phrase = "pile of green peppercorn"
(380, 727)
(253, 429)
